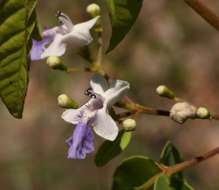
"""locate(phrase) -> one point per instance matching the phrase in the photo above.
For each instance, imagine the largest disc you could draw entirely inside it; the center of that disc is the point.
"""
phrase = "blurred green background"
(169, 44)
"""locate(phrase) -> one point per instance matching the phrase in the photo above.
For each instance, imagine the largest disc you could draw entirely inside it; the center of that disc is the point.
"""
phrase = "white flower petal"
(83, 29)
(76, 40)
(117, 90)
(56, 48)
(98, 84)
(71, 115)
(65, 20)
(105, 126)
(86, 25)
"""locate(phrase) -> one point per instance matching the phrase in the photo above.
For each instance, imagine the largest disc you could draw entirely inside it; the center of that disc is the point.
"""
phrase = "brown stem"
(215, 116)
(128, 104)
(204, 12)
(168, 171)
(152, 111)
(85, 69)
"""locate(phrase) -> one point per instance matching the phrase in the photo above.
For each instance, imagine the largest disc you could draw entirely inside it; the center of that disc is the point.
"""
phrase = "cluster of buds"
(181, 111)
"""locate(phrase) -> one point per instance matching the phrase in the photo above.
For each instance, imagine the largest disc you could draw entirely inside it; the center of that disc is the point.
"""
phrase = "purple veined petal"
(69, 141)
(81, 142)
(98, 84)
(72, 115)
(104, 125)
(117, 90)
(38, 47)
(56, 48)
(95, 103)
(75, 115)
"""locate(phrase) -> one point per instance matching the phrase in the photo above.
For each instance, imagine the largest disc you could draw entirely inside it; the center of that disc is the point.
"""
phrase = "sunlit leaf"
(123, 14)
(17, 22)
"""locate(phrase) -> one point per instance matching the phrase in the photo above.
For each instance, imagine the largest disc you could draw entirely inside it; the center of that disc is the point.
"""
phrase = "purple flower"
(76, 35)
(95, 113)
(81, 142)
(38, 47)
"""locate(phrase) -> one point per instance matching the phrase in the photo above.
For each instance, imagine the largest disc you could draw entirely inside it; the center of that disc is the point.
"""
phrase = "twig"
(85, 69)
(136, 109)
(215, 116)
(100, 49)
(168, 171)
(98, 64)
(152, 111)
(204, 12)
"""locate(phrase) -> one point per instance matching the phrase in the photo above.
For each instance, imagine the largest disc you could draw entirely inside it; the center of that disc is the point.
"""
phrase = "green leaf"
(37, 35)
(186, 186)
(111, 149)
(125, 139)
(161, 183)
(133, 172)
(123, 14)
(17, 22)
(171, 156)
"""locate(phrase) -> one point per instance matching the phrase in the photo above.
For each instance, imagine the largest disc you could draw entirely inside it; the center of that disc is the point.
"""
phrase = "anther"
(59, 13)
(93, 96)
(87, 92)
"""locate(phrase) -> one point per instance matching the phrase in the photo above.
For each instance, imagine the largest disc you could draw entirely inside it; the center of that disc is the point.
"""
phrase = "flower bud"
(164, 91)
(65, 101)
(129, 124)
(56, 63)
(182, 111)
(93, 9)
(203, 113)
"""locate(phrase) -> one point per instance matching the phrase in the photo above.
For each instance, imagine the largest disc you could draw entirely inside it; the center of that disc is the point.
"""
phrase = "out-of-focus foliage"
(133, 172)
(170, 156)
(161, 183)
(123, 14)
(110, 149)
(17, 24)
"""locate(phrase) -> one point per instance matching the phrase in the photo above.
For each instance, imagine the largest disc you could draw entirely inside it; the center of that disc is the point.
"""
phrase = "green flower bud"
(203, 113)
(164, 91)
(65, 101)
(129, 124)
(56, 63)
(93, 9)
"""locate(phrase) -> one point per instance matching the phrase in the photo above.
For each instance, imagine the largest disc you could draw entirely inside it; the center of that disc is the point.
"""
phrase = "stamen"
(89, 93)
(59, 13)
(93, 96)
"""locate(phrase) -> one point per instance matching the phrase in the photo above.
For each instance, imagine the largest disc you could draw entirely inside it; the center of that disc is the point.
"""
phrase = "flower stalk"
(168, 171)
